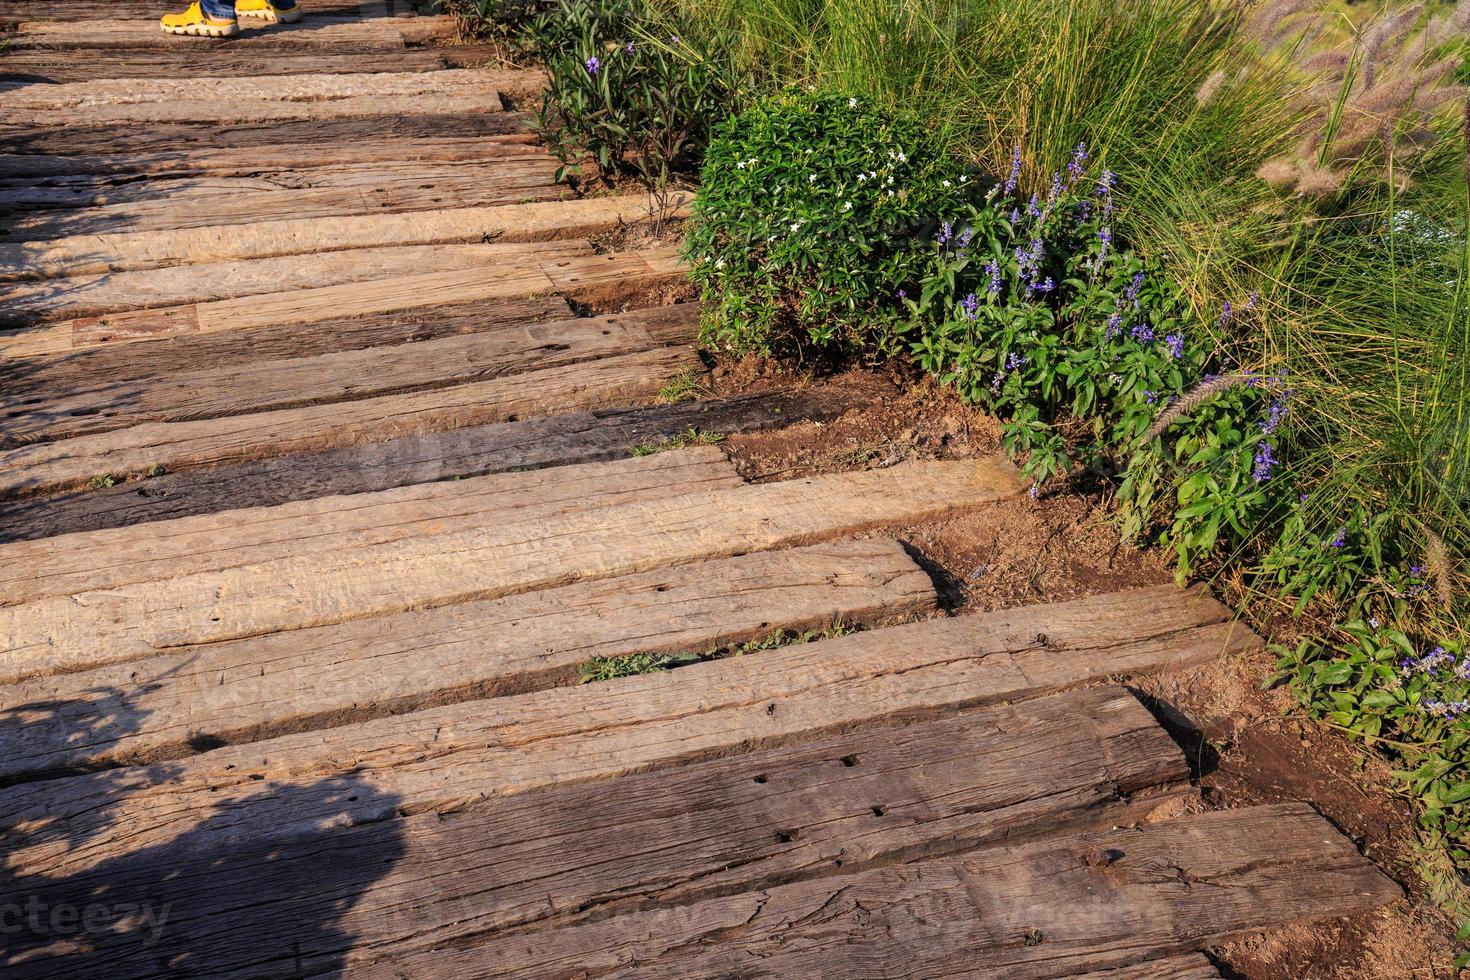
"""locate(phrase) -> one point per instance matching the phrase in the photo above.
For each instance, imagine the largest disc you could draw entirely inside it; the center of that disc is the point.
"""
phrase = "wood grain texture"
(169, 706)
(512, 274)
(34, 151)
(330, 148)
(458, 756)
(87, 254)
(1178, 886)
(132, 452)
(663, 839)
(520, 181)
(90, 297)
(96, 190)
(210, 542)
(110, 625)
(261, 386)
(314, 90)
(580, 437)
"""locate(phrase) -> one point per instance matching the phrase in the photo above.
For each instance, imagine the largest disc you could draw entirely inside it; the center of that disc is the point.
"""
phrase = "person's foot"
(275, 13)
(196, 23)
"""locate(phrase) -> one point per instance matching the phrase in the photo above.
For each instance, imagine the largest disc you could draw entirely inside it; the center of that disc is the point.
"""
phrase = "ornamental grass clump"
(815, 211)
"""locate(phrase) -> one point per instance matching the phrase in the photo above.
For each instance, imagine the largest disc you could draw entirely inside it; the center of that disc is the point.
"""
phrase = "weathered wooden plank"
(209, 95)
(110, 404)
(243, 536)
(109, 625)
(515, 273)
(30, 67)
(661, 839)
(332, 675)
(522, 182)
(223, 113)
(458, 756)
(327, 151)
(84, 254)
(609, 380)
(87, 297)
(553, 441)
(1175, 887)
(99, 190)
(311, 32)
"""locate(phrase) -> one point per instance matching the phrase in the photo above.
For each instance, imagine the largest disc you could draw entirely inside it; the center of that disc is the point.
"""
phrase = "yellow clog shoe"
(268, 11)
(196, 23)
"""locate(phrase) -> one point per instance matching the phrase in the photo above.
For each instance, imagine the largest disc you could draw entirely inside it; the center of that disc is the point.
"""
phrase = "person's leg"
(274, 11)
(204, 18)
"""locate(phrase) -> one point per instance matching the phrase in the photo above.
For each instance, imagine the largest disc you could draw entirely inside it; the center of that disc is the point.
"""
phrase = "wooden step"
(504, 162)
(246, 161)
(222, 61)
(218, 99)
(32, 380)
(182, 139)
(97, 627)
(1035, 910)
(662, 839)
(610, 379)
(553, 441)
(87, 297)
(349, 376)
(514, 273)
(450, 758)
(246, 690)
(108, 559)
(523, 182)
(85, 254)
(311, 32)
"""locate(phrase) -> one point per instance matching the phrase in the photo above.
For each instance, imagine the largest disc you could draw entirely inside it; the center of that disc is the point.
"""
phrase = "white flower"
(852, 103)
(719, 263)
(902, 158)
(862, 177)
(890, 193)
(847, 205)
(944, 183)
(796, 226)
(811, 178)
(740, 165)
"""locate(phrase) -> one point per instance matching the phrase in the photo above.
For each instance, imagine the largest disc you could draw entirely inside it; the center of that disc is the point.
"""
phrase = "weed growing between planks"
(629, 665)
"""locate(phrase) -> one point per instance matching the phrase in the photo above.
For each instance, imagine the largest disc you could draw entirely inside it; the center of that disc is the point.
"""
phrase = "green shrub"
(622, 95)
(815, 209)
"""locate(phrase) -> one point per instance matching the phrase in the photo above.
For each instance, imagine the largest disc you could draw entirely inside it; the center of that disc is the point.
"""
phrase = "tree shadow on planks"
(174, 906)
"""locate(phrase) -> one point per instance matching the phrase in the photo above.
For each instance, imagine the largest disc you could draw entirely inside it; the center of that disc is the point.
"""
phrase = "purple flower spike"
(593, 65)
(992, 269)
(1175, 343)
(1142, 333)
(1015, 176)
(1079, 159)
(970, 304)
(1265, 462)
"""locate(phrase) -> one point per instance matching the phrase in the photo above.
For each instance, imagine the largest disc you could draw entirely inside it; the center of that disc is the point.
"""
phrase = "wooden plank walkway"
(318, 495)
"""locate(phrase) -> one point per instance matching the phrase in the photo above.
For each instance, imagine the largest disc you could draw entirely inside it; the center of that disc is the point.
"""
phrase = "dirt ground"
(1246, 746)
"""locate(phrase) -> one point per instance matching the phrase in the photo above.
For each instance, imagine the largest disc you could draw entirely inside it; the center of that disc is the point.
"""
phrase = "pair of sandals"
(194, 22)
